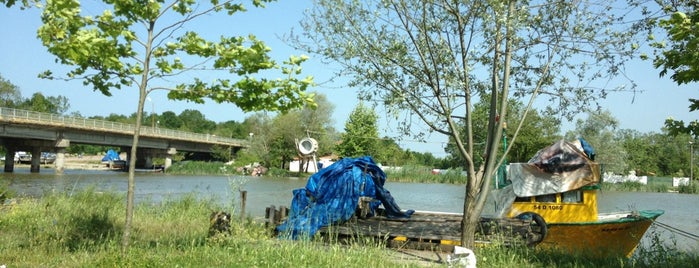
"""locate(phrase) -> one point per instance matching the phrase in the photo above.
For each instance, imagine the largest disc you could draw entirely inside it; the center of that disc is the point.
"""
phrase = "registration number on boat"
(549, 207)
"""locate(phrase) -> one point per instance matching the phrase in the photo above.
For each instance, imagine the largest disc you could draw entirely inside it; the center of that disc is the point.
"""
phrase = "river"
(680, 209)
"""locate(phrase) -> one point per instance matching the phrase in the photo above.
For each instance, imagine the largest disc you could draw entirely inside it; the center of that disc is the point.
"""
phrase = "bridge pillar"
(61, 145)
(36, 159)
(144, 158)
(168, 157)
(9, 159)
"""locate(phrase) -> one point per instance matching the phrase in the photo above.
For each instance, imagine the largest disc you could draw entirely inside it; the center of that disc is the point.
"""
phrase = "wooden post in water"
(243, 199)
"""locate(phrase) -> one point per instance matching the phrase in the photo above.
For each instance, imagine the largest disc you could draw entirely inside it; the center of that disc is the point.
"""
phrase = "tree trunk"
(143, 92)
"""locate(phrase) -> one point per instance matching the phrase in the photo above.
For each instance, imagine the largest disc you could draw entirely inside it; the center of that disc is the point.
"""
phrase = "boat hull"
(608, 237)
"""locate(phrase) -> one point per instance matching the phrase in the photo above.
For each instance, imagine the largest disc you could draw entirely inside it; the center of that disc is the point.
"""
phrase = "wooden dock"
(424, 229)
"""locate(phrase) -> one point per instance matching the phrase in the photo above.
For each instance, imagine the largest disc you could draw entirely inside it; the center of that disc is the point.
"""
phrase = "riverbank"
(85, 230)
(84, 162)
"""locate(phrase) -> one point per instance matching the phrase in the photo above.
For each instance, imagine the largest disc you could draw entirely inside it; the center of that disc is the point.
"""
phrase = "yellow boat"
(558, 189)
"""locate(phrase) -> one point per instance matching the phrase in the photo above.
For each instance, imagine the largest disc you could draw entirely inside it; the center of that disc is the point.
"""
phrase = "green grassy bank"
(85, 230)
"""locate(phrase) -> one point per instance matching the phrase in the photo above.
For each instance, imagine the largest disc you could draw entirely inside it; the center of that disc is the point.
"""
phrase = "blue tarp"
(331, 196)
(111, 156)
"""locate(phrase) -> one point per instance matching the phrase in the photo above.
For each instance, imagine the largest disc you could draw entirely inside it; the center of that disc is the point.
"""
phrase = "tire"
(537, 221)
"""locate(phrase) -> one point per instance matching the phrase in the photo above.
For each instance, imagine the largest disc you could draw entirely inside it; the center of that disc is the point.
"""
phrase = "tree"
(275, 138)
(195, 121)
(25, 3)
(142, 45)
(390, 153)
(169, 119)
(10, 95)
(231, 129)
(317, 122)
(361, 136)
(429, 61)
(678, 55)
(656, 154)
(286, 129)
(537, 132)
(40, 103)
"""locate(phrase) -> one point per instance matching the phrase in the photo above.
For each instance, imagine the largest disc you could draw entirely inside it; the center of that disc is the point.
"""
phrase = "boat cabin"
(572, 206)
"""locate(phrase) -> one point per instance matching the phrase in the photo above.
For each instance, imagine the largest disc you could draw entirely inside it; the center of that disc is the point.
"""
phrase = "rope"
(678, 231)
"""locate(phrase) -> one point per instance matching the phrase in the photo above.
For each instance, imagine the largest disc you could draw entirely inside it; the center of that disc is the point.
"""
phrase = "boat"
(112, 160)
(549, 202)
(560, 186)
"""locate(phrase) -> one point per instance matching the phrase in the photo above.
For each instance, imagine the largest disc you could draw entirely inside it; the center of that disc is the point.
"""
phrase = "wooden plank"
(422, 228)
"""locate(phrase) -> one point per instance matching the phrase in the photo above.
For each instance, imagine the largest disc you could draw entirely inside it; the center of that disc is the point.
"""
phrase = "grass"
(85, 230)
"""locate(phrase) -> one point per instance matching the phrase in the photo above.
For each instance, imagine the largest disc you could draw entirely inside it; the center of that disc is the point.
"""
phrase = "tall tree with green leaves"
(537, 131)
(24, 3)
(169, 119)
(429, 61)
(194, 121)
(10, 95)
(361, 136)
(678, 54)
(144, 46)
(260, 135)
(40, 103)
(283, 131)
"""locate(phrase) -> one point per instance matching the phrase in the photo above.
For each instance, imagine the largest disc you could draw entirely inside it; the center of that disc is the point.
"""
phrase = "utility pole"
(152, 112)
(691, 161)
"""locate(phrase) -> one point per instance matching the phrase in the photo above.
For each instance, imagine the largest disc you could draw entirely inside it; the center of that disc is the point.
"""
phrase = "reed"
(422, 174)
(692, 188)
(200, 168)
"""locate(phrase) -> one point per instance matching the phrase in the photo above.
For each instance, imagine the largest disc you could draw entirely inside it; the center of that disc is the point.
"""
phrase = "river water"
(680, 209)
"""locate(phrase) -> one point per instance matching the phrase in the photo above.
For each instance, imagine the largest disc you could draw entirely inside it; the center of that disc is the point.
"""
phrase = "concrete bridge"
(35, 132)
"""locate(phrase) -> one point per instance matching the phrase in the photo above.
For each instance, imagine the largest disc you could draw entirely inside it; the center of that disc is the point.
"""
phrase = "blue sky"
(22, 57)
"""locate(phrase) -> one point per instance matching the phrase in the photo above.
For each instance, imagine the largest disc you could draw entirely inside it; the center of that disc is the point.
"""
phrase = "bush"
(5, 192)
(692, 188)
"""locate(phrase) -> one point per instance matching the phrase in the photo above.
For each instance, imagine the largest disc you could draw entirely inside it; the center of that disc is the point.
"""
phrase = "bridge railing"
(11, 114)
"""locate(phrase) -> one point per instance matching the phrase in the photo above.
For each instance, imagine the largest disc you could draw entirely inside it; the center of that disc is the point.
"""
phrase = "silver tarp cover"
(558, 168)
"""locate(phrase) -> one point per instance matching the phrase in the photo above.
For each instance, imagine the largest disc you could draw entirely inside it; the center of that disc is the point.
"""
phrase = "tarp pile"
(560, 167)
(111, 156)
(331, 196)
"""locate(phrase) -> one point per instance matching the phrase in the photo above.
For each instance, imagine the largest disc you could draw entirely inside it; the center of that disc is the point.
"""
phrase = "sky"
(22, 58)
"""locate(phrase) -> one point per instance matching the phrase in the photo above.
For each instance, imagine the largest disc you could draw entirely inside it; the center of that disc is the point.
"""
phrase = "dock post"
(243, 200)
(270, 215)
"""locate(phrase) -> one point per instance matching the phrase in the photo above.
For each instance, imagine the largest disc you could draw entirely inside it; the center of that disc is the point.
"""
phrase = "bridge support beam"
(168, 157)
(36, 160)
(144, 158)
(61, 145)
(9, 159)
